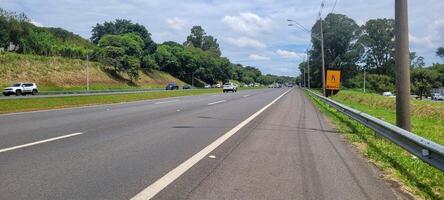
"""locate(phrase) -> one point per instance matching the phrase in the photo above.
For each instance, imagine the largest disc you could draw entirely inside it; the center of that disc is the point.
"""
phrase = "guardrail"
(426, 150)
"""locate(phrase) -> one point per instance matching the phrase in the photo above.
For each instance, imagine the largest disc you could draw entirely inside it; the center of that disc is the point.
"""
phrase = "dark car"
(172, 86)
(186, 87)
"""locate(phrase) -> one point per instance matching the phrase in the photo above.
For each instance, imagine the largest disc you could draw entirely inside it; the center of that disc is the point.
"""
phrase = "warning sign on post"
(333, 80)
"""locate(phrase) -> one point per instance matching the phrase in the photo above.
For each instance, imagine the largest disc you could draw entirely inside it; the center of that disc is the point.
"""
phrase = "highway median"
(47, 103)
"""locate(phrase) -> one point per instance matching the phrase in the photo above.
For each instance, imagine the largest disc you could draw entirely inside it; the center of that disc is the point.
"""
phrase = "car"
(207, 86)
(437, 97)
(186, 87)
(21, 89)
(229, 87)
(172, 86)
(388, 94)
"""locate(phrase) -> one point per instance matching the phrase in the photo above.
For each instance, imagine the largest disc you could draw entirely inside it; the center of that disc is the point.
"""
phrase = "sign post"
(333, 82)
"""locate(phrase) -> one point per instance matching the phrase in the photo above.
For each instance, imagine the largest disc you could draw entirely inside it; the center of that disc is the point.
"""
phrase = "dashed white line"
(168, 178)
(162, 102)
(217, 102)
(39, 142)
(245, 96)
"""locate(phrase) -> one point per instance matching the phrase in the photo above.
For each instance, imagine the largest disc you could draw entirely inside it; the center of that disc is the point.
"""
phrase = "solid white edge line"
(217, 102)
(162, 102)
(168, 178)
(38, 142)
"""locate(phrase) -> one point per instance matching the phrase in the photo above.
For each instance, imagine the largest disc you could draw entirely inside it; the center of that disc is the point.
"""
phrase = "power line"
(334, 6)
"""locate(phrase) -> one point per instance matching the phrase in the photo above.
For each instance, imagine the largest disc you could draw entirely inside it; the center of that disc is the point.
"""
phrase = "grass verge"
(33, 104)
(415, 176)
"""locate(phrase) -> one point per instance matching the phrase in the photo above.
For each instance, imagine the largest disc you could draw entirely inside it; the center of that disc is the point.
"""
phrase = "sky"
(250, 32)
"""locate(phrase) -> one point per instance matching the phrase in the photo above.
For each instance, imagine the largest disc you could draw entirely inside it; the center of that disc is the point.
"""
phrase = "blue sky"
(252, 32)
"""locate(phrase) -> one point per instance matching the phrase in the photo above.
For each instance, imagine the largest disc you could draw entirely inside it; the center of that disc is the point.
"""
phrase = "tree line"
(127, 48)
(371, 47)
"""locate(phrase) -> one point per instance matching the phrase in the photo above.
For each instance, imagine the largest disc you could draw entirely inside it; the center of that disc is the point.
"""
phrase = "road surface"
(118, 151)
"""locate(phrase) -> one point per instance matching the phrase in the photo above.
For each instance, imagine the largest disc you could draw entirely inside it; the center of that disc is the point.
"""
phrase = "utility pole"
(403, 118)
(87, 72)
(323, 61)
(303, 74)
(308, 67)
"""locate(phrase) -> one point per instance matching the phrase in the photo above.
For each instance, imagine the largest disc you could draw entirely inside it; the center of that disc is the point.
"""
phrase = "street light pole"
(364, 80)
(323, 61)
(403, 118)
(87, 72)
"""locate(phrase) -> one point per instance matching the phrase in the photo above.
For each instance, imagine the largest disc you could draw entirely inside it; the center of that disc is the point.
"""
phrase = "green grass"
(32, 104)
(415, 176)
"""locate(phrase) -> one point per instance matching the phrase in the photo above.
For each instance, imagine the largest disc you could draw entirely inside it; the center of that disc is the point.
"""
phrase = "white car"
(21, 89)
(229, 87)
(388, 94)
(437, 97)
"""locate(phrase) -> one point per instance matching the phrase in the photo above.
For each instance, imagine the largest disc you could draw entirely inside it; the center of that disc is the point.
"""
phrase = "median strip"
(39, 142)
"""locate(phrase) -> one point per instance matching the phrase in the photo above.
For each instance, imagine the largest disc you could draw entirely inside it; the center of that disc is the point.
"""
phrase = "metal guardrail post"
(426, 150)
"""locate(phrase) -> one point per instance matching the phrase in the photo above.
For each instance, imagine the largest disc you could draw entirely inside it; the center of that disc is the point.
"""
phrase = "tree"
(199, 39)
(4, 35)
(378, 36)
(123, 26)
(416, 61)
(123, 52)
(379, 83)
(440, 52)
(196, 37)
(423, 80)
(341, 51)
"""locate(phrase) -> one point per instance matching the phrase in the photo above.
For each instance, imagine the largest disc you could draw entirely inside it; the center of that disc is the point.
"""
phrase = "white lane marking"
(162, 102)
(168, 178)
(217, 102)
(39, 142)
(246, 95)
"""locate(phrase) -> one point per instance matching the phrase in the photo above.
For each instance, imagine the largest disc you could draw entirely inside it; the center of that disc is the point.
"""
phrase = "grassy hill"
(57, 73)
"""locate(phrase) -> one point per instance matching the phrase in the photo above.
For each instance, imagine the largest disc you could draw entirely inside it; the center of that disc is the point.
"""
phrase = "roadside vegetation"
(415, 176)
(370, 48)
(33, 104)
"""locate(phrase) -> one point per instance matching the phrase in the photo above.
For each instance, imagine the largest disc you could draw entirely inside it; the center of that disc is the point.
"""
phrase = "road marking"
(162, 102)
(246, 95)
(168, 178)
(217, 102)
(39, 142)
(214, 95)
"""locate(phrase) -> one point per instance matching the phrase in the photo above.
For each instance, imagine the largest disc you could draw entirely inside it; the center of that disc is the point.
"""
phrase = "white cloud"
(248, 23)
(245, 42)
(176, 23)
(289, 54)
(36, 23)
(258, 57)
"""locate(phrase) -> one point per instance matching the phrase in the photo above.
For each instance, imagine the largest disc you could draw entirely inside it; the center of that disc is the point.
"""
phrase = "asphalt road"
(116, 151)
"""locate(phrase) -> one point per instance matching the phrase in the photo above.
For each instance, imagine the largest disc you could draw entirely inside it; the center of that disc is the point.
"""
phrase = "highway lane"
(116, 150)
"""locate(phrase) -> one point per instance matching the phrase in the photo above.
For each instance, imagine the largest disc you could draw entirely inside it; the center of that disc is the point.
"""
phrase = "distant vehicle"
(290, 85)
(21, 89)
(172, 86)
(207, 86)
(186, 87)
(437, 97)
(388, 94)
(229, 87)
(218, 85)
